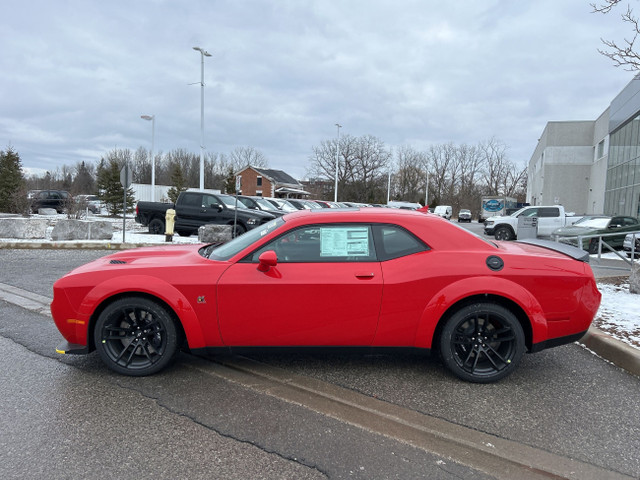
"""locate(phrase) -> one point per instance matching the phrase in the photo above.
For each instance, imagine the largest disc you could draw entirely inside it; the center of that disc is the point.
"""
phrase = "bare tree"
(242, 157)
(323, 161)
(370, 165)
(409, 181)
(624, 54)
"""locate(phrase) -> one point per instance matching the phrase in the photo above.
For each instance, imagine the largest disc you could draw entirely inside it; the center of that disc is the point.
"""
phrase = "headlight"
(253, 221)
(488, 223)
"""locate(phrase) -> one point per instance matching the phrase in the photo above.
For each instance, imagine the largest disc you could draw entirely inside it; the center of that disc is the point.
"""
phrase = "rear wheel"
(504, 233)
(136, 336)
(593, 246)
(156, 227)
(482, 343)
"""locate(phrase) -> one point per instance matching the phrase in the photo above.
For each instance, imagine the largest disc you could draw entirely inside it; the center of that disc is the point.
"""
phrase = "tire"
(482, 343)
(239, 230)
(503, 233)
(184, 233)
(135, 336)
(593, 246)
(156, 227)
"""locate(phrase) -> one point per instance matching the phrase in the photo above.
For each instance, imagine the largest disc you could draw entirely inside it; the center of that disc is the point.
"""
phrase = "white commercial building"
(591, 166)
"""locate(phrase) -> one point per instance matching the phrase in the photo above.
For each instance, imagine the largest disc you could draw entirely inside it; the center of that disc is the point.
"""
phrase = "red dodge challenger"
(373, 278)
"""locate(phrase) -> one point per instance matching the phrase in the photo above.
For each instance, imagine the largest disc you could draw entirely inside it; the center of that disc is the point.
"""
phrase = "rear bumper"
(556, 342)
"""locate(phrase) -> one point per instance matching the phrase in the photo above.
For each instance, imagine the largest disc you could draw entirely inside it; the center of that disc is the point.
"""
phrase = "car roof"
(432, 228)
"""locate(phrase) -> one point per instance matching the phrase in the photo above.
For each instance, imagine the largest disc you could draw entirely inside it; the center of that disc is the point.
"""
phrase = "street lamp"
(153, 160)
(335, 198)
(203, 53)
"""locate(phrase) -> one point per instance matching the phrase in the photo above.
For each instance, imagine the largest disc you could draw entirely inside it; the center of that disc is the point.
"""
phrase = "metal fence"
(579, 240)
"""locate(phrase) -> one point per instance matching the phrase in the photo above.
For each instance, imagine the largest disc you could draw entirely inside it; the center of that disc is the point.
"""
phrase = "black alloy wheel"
(156, 227)
(239, 230)
(482, 343)
(136, 336)
(503, 233)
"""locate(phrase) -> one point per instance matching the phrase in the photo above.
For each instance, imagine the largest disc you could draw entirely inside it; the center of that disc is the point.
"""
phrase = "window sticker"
(344, 242)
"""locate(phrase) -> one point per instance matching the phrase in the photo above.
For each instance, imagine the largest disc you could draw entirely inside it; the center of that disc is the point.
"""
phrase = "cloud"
(78, 75)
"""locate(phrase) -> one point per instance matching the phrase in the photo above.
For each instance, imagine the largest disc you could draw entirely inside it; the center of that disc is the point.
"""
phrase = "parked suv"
(56, 199)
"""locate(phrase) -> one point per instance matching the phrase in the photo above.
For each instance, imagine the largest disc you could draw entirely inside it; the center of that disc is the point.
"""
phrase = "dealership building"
(591, 166)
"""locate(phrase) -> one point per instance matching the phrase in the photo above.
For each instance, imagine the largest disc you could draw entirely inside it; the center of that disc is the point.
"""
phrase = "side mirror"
(267, 260)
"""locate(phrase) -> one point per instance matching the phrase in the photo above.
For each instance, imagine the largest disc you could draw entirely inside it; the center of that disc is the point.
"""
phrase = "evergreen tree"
(12, 182)
(111, 190)
(83, 183)
(230, 182)
(178, 182)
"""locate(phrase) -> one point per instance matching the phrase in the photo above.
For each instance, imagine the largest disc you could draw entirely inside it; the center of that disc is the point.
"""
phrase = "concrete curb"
(98, 245)
(617, 352)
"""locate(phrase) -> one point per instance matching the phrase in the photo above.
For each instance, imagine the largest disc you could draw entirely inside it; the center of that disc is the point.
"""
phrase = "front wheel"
(504, 233)
(482, 343)
(239, 230)
(136, 336)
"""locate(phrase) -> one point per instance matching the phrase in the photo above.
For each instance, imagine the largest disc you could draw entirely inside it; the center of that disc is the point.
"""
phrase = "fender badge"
(201, 299)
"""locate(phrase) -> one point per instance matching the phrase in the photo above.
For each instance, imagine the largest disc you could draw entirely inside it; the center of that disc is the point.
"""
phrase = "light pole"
(335, 197)
(153, 160)
(203, 53)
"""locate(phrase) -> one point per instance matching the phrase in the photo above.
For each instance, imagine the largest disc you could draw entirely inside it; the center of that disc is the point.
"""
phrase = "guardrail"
(579, 241)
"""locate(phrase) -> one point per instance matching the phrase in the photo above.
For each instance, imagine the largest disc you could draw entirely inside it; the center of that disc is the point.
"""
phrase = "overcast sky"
(76, 75)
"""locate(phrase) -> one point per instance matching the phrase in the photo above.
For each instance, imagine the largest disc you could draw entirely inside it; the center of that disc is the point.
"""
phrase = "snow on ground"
(619, 313)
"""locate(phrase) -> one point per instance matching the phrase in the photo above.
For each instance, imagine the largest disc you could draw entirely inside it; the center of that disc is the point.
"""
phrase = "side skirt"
(212, 351)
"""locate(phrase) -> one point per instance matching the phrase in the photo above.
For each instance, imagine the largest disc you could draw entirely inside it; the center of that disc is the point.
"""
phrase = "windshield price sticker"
(344, 242)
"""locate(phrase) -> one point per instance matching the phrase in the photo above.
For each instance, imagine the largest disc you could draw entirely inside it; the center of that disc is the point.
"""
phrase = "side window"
(549, 212)
(395, 242)
(209, 201)
(195, 200)
(323, 243)
(531, 212)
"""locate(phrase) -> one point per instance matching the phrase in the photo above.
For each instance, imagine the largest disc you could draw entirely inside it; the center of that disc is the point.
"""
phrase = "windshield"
(591, 222)
(229, 249)
(285, 205)
(230, 201)
(264, 204)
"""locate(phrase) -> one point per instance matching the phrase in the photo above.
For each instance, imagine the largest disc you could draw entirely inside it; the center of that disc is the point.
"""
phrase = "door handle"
(365, 275)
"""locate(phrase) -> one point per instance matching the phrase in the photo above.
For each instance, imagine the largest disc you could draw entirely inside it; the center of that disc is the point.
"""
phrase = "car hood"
(574, 231)
(147, 258)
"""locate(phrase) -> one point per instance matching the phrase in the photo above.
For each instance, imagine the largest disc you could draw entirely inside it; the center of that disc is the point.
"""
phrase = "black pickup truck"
(194, 209)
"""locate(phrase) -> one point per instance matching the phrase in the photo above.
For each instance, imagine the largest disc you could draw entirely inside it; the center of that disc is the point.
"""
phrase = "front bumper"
(72, 349)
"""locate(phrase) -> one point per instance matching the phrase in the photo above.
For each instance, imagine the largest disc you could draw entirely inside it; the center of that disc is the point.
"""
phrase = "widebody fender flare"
(458, 291)
(151, 286)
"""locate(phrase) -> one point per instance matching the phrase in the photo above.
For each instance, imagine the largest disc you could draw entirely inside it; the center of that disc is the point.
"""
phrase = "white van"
(445, 211)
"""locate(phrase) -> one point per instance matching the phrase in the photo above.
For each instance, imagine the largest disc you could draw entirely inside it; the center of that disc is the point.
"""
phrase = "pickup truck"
(549, 219)
(194, 209)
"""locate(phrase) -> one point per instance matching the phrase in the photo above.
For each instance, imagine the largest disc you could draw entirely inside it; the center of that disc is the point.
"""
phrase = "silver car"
(629, 247)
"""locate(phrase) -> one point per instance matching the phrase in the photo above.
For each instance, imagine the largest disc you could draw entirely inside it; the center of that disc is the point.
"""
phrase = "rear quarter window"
(393, 241)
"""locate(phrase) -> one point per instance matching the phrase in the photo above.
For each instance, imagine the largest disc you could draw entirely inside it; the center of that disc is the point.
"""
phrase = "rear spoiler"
(573, 252)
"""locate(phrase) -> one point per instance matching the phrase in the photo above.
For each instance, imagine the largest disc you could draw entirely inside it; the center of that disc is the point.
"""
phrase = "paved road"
(72, 418)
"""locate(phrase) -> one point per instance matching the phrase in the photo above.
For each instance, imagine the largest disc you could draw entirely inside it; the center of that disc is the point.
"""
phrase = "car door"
(549, 219)
(188, 210)
(325, 290)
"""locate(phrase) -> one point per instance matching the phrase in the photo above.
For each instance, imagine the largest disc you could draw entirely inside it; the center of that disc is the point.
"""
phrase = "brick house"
(266, 182)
